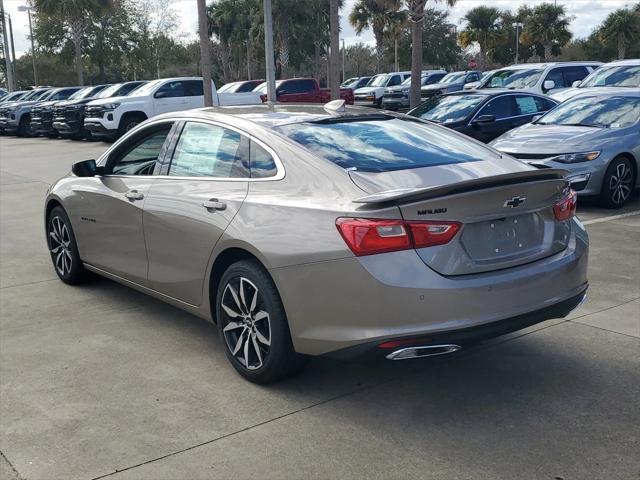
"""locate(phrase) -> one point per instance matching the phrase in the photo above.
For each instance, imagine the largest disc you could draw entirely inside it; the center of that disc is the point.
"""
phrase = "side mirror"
(549, 85)
(86, 168)
(576, 83)
(484, 119)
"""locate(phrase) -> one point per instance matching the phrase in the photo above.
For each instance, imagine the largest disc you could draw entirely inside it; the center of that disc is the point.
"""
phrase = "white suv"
(371, 95)
(112, 117)
(543, 78)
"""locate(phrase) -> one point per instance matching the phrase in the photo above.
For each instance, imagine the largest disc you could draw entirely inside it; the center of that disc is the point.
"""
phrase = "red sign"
(472, 63)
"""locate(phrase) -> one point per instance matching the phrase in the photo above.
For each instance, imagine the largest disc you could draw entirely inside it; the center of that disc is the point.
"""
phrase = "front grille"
(94, 111)
(393, 95)
(531, 156)
(58, 112)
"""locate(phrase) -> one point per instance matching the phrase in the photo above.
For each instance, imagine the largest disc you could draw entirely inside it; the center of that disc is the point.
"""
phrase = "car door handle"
(214, 204)
(134, 195)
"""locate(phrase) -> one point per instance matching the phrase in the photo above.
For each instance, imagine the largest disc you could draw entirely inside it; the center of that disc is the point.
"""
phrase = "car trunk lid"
(507, 217)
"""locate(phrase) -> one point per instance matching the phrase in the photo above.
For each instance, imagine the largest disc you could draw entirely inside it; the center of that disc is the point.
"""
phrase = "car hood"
(48, 103)
(104, 101)
(81, 101)
(366, 90)
(440, 86)
(552, 139)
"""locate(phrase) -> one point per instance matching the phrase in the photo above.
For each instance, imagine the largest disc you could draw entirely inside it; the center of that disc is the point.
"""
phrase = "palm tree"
(374, 14)
(483, 27)
(396, 23)
(622, 28)
(416, 17)
(75, 14)
(547, 25)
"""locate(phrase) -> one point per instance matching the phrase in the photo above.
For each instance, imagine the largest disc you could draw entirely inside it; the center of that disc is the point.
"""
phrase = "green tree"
(416, 18)
(76, 16)
(622, 29)
(547, 25)
(484, 27)
(378, 15)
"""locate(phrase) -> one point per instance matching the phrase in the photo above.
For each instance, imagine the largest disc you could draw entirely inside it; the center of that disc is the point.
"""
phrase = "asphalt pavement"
(100, 381)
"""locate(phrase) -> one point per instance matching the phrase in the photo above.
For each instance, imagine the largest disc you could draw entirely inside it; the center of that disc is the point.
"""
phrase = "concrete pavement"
(100, 381)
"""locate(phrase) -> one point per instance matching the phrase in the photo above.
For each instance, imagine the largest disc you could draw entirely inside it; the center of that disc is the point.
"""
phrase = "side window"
(499, 107)
(556, 76)
(528, 105)
(193, 88)
(395, 80)
(434, 78)
(544, 104)
(208, 151)
(246, 87)
(139, 156)
(472, 77)
(290, 87)
(571, 74)
(170, 90)
(261, 162)
(307, 86)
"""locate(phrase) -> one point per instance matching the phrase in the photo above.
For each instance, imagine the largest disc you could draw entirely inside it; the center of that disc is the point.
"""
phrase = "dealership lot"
(101, 381)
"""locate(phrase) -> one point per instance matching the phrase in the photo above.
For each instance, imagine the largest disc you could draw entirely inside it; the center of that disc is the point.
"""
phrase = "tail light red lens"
(566, 208)
(370, 236)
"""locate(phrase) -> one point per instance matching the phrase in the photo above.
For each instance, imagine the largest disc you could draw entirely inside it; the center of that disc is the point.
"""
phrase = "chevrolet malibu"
(302, 231)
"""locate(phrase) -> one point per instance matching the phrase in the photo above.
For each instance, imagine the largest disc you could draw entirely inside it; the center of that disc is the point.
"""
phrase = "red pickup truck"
(303, 90)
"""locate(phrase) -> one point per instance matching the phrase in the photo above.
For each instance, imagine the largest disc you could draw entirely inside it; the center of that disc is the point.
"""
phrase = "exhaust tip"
(420, 351)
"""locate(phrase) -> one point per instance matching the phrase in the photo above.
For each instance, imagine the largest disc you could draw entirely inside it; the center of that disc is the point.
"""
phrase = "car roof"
(609, 91)
(492, 92)
(272, 115)
(629, 61)
(521, 66)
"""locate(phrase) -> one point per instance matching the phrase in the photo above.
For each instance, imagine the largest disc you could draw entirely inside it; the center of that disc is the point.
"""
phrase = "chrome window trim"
(513, 116)
(280, 170)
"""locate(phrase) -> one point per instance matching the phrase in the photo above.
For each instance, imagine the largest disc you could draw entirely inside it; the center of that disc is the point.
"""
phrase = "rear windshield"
(516, 78)
(385, 144)
(447, 109)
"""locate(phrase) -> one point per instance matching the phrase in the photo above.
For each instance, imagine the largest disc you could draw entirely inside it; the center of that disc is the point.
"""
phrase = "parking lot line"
(612, 217)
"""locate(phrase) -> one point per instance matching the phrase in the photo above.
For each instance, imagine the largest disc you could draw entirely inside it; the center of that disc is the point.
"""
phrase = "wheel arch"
(634, 163)
(223, 260)
(134, 113)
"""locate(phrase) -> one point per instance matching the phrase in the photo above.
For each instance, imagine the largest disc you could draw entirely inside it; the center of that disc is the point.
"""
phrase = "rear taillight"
(366, 236)
(566, 208)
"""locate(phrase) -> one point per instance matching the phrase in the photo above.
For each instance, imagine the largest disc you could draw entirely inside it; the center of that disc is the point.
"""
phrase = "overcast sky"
(588, 14)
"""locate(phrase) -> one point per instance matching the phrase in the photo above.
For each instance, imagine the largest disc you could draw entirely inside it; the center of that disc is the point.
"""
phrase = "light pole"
(343, 51)
(25, 8)
(7, 58)
(517, 26)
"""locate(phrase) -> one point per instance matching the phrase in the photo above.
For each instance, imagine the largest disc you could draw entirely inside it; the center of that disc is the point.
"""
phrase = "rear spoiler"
(407, 195)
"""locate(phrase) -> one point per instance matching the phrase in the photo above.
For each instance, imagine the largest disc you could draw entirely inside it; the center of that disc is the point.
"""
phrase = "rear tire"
(618, 183)
(253, 326)
(63, 248)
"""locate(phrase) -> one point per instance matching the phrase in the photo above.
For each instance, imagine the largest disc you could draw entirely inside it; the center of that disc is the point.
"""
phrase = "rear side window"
(289, 87)
(262, 164)
(306, 86)
(572, 74)
(384, 144)
(193, 88)
(208, 151)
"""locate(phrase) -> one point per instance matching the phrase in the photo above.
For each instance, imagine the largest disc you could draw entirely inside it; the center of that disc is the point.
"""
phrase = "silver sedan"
(596, 136)
(306, 230)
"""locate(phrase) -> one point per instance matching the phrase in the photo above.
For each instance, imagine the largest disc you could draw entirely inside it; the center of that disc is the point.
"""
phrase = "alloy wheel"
(620, 183)
(247, 326)
(60, 245)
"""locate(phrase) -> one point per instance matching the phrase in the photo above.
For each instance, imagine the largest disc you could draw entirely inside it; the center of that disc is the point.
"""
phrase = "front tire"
(24, 128)
(129, 122)
(63, 248)
(253, 326)
(618, 183)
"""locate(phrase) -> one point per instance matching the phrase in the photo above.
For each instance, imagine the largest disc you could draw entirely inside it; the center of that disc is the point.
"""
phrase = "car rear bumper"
(353, 301)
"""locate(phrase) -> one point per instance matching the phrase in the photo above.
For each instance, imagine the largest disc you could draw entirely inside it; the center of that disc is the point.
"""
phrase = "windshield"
(448, 109)
(109, 91)
(378, 81)
(34, 95)
(348, 82)
(604, 112)
(382, 144)
(12, 97)
(80, 93)
(521, 78)
(262, 88)
(146, 89)
(227, 86)
(453, 77)
(614, 76)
